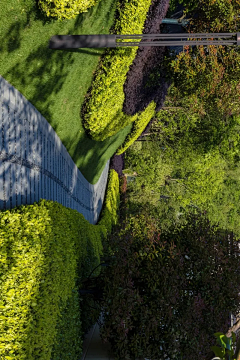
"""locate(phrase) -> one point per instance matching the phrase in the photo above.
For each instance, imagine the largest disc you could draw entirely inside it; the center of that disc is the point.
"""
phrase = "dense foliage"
(46, 250)
(174, 175)
(191, 161)
(192, 155)
(181, 278)
(211, 15)
(138, 127)
(206, 79)
(65, 9)
(102, 111)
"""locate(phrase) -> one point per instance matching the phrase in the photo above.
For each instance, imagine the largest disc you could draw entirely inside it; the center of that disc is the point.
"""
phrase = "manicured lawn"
(56, 81)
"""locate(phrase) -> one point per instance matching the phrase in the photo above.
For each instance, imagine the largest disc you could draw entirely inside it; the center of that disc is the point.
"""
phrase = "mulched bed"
(137, 97)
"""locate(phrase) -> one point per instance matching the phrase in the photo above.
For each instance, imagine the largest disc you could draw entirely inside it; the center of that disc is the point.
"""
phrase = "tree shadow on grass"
(81, 51)
(92, 156)
(11, 40)
(47, 70)
(102, 9)
(44, 72)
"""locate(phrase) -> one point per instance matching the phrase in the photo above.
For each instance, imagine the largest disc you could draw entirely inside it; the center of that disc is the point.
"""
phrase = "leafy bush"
(210, 14)
(213, 15)
(65, 9)
(226, 346)
(102, 112)
(184, 279)
(46, 251)
(138, 126)
(190, 4)
(109, 214)
(209, 78)
(202, 105)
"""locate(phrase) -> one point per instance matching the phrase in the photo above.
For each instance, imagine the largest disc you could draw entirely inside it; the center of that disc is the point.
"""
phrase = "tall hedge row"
(102, 112)
(43, 247)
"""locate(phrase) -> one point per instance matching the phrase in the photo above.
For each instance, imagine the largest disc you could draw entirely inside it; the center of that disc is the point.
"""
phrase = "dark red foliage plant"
(146, 310)
(139, 90)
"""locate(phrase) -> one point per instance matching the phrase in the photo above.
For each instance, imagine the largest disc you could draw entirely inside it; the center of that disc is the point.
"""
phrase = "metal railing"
(112, 41)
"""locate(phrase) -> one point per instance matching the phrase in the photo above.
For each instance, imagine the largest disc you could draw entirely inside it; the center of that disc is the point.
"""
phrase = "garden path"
(34, 164)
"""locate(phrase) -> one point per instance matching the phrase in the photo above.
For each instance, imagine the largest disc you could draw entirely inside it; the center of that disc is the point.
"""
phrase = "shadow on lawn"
(11, 40)
(89, 153)
(46, 70)
(80, 51)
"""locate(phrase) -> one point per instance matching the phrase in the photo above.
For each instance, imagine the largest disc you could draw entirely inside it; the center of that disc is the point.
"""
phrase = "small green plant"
(225, 343)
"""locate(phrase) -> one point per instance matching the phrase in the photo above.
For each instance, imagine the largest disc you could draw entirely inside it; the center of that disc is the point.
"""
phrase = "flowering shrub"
(181, 279)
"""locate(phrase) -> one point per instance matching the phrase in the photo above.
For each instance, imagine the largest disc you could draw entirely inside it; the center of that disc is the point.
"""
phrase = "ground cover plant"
(56, 82)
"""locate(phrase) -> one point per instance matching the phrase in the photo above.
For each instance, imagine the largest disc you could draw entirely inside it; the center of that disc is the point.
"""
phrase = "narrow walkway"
(34, 164)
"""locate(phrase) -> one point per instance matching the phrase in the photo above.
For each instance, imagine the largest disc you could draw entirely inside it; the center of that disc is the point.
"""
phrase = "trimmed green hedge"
(102, 113)
(65, 9)
(138, 127)
(42, 248)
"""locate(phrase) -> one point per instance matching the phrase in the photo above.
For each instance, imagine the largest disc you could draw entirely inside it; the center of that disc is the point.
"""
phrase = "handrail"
(111, 41)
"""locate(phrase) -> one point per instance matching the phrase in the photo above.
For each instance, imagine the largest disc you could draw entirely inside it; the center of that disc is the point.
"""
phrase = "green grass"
(56, 81)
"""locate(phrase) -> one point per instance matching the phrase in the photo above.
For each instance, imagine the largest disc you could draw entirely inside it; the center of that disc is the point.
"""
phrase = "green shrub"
(65, 9)
(109, 215)
(138, 127)
(102, 113)
(46, 250)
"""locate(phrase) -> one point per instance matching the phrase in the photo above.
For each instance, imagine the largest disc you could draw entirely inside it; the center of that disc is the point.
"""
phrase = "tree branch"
(234, 328)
